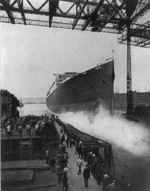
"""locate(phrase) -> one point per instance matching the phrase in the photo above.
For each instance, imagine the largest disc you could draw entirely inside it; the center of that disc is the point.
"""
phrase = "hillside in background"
(31, 100)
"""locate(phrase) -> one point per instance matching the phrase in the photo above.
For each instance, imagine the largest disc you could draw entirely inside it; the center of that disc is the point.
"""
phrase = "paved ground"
(76, 182)
(24, 164)
(42, 181)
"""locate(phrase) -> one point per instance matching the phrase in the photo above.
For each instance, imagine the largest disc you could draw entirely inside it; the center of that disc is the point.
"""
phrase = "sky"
(30, 55)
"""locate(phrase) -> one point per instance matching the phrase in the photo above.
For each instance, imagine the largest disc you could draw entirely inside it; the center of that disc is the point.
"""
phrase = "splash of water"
(128, 135)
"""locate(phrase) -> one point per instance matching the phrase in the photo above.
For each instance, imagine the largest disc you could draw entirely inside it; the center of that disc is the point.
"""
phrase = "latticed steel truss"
(90, 15)
(139, 35)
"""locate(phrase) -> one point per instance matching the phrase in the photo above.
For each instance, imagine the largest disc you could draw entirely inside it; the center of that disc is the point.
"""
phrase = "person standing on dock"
(47, 156)
(93, 165)
(80, 151)
(20, 130)
(65, 179)
(122, 183)
(53, 163)
(64, 147)
(76, 147)
(65, 158)
(106, 181)
(37, 127)
(79, 164)
(28, 127)
(86, 175)
(112, 186)
(89, 159)
(8, 130)
(128, 187)
(59, 172)
(71, 141)
(99, 171)
(67, 140)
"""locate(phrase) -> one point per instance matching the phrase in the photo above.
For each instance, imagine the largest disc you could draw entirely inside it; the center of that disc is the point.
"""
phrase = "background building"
(139, 99)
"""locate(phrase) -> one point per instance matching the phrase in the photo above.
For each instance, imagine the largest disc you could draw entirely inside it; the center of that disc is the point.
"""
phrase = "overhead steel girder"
(142, 8)
(143, 34)
(46, 13)
(137, 41)
(33, 10)
(7, 8)
(79, 15)
(53, 5)
(93, 3)
(43, 23)
(111, 5)
(20, 5)
(94, 12)
(107, 21)
(144, 44)
(141, 41)
(108, 15)
(70, 16)
(137, 30)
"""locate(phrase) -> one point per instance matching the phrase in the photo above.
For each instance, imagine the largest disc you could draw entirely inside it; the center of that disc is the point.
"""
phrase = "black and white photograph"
(75, 95)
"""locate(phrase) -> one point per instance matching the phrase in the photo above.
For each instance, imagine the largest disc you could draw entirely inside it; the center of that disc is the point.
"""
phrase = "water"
(34, 109)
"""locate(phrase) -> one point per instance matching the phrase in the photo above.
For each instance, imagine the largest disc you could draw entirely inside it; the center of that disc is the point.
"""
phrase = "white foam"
(128, 135)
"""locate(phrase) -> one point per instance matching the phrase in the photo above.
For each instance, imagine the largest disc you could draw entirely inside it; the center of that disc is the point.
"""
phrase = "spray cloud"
(131, 136)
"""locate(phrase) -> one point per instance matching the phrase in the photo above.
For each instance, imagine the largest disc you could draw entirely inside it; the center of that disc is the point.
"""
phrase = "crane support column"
(129, 73)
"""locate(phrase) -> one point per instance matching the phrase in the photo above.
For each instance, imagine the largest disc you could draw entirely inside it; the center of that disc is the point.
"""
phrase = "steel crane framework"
(128, 18)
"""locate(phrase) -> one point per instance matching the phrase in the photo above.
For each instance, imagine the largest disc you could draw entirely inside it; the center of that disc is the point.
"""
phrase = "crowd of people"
(58, 161)
(25, 125)
(94, 164)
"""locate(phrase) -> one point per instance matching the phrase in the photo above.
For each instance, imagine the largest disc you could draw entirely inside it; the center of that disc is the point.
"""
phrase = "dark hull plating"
(84, 92)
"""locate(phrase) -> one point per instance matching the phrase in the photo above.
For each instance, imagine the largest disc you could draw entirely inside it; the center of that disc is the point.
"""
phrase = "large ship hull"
(85, 91)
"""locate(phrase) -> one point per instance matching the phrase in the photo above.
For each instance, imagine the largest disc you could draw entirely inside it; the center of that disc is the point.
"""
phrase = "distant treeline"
(9, 103)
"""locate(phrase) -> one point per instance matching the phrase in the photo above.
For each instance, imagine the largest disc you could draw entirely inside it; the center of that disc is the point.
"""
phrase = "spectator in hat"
(89, 159)
(112, 186)
(53, 163)
(65, 158)
(79, 164)
(86, 175)
(8, 128)
(122, 183)
(28, 128)
(99, 171)
(37, 128)
(105, 181)
(59, 173)
(20, 130)
(128, 187)
(47, 157)
(80, 151)
(65, 179)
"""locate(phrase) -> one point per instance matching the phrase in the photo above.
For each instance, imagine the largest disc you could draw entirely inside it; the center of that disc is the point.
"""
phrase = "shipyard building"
(139, 99)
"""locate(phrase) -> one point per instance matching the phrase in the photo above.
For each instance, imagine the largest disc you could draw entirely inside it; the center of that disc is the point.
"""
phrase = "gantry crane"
(110, 16)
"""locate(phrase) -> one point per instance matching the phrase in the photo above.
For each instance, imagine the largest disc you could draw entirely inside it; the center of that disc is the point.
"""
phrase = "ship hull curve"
(85, 92)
